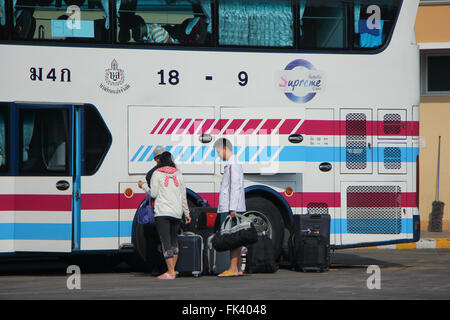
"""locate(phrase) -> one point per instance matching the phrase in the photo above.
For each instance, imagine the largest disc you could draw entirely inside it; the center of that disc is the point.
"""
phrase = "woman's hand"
(140, 183)
(188, 220)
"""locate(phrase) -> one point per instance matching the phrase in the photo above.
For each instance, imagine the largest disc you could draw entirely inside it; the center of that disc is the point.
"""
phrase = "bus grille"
(317, 208)
(392, 123)
(374, 209)
(356, 141)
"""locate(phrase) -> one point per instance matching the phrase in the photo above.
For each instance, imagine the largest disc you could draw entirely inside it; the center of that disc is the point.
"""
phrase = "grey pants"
(168, 228)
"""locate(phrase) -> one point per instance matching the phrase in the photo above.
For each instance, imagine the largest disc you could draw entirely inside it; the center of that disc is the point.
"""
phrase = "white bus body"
(371, 201)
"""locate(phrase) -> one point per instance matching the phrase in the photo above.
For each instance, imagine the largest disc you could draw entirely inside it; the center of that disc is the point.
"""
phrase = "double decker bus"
(320, 99)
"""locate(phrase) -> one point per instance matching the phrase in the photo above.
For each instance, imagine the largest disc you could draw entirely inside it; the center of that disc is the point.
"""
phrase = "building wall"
(433, 26)
(433, 23)
(434, 122)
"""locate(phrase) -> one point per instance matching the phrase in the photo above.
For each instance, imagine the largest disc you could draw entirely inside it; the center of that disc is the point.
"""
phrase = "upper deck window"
(249, 23)
(324, 24)
(373, 22)
(165, 22)
(4, 143)
(75, 21)
(308, 25)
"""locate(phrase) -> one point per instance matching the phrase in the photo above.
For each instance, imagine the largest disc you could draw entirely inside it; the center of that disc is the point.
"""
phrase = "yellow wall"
(434, 122)
(433, 24)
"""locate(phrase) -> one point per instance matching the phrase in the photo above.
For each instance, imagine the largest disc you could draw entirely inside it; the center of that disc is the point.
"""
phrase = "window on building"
(44, 141)
(165, 22)
(438, 73)
(68, 20)
(4, 138)
(263, 23)
(97, 140)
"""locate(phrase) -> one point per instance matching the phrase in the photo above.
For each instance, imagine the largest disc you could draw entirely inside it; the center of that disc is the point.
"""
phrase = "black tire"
(267, 218)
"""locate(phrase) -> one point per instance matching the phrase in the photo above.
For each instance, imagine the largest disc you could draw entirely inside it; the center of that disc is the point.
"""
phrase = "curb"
(427, 243)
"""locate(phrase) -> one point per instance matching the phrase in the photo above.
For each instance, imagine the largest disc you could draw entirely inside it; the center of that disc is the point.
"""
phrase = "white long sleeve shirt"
(168, 189)
(232, 195)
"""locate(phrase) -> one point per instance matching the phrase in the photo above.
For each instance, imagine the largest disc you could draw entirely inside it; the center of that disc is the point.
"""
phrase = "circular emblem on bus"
(301, 81)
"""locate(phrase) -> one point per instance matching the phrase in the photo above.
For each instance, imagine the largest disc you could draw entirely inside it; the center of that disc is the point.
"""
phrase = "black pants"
(168, 228)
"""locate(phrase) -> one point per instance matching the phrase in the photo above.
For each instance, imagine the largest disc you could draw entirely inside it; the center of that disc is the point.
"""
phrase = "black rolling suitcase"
(261, 256)
(310, 242)
(311, 253)
(190, 256)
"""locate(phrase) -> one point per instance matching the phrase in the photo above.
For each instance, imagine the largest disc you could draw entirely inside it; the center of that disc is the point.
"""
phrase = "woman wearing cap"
(167, 187)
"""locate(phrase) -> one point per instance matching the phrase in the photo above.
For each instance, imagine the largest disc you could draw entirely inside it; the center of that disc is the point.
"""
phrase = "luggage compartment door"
(184, 131)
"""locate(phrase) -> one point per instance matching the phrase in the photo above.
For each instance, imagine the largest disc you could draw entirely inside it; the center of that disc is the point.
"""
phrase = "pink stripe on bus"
(156, 127)
(184, 126)
(195, 125)
(268, 126)
(205, 127)
(36, 202)
(288, 126)
(370, 128)
(164, 126)
(233, 126)
(99, 201)
(219, 125)
(173, 126)
(251, 126)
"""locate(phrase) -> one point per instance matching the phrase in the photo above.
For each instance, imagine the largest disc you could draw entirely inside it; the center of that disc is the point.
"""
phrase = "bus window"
(69, 20)
(263, 23)
(374, 21)
(97, 140)
(165, 22)
(323, 24)
(3, 33)
(4, 138)
(44, 141)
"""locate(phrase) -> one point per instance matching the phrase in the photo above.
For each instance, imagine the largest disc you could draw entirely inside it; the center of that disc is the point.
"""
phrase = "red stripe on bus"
(219, 125)
(251, 126)
(288, 126)
(156, 127)
(36, 202)
(372, 128)
(184, 126)
(195, 125)
(233, 126)
(205, 127)
(269, 126)
(114, 201)
(164, 126)
(173, 126)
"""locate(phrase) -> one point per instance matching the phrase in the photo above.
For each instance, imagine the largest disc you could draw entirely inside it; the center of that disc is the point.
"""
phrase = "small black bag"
(242, 234)
(261, 256)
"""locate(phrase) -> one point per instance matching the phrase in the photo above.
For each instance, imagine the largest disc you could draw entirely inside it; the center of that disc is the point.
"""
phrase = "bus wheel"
(266, 218)
(146, 257)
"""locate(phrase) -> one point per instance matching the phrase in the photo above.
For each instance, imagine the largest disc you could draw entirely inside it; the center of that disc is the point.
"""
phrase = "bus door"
(47, 190)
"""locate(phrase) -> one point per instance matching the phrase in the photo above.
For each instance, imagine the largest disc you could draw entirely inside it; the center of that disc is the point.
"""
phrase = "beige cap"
(159, 151)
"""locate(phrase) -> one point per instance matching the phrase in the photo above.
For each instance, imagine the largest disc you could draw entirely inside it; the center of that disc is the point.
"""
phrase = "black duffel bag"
(242, 234)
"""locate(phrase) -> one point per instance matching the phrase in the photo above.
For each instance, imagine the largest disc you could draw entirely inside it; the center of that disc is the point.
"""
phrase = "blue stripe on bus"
(36, 231)
(137, 153)
(288, 153)
(112, 229)
(145, 153)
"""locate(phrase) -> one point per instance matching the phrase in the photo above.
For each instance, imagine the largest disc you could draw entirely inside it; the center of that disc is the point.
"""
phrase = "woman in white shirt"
(167, 187)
